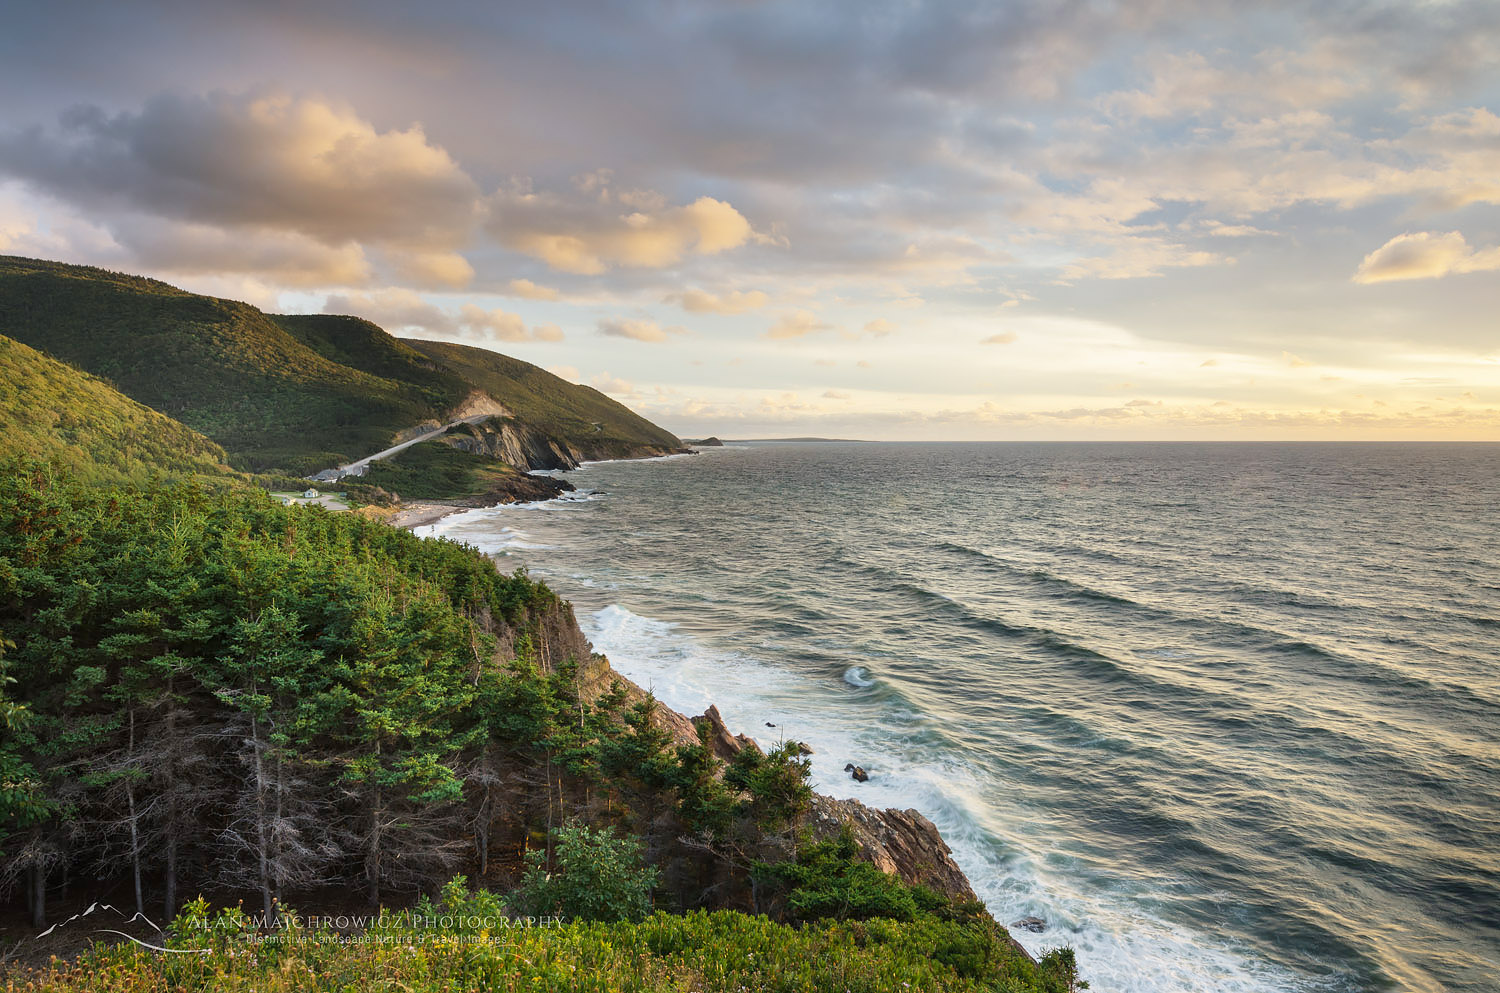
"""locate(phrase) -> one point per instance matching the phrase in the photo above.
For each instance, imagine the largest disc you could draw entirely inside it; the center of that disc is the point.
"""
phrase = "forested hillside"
(81, 424)
(577, 414)
(295, 394)
(222, 691)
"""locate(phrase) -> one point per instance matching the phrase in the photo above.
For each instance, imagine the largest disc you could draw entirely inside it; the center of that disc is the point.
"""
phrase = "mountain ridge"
(289, 393)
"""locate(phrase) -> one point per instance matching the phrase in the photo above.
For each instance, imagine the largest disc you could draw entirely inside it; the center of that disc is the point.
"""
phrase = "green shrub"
(720, 952)
(596, 876)
(829, 879)
(776, 782)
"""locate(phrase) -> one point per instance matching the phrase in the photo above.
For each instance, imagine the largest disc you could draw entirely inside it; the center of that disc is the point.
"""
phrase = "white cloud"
(733, 302)
(638, 329)
(605, 383)
(798, 324)
(1424, 255)
(397, 309)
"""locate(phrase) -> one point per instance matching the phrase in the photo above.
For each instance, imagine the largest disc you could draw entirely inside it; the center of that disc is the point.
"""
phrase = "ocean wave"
(1158, 777)
(856, 676)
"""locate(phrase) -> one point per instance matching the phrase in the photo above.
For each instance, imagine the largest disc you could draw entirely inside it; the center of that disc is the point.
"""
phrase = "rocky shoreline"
(904, 843)
(529, 450)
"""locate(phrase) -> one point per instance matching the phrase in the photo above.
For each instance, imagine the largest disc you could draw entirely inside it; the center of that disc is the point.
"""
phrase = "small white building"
(310, 495)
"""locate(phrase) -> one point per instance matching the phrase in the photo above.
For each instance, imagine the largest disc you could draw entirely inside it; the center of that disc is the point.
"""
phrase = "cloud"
(504, 325)
(434, 268)
(605, 383)
(798, 324)
(1218, 229)
(1424, 255)
(880, 327)
(397, 309)
(1003, 338)
(597, 228)
(289, 258)
(568, 372)
(835, 395)
(1295, 361)
(733, 302)
(638, 329)
(528, 290)
(1136, 258)
(261, 163)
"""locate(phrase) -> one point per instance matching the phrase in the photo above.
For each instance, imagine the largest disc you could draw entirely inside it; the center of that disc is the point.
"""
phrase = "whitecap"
(857, 676)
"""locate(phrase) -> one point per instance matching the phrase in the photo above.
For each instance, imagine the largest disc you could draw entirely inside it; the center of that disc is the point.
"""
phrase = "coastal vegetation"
(203, 691)
(207, 691)
(705, 951)
(290, 393)
(88, 429)
(433, 470)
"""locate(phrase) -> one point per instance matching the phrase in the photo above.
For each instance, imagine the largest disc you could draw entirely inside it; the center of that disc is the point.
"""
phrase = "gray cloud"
(288, 171)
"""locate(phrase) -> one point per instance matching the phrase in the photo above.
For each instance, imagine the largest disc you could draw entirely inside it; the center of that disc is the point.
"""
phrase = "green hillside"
(78, 422)
(290, 393)
(579, 414)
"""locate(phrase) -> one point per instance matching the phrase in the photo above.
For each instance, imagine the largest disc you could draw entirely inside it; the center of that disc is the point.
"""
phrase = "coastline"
(425, 513)
(900, 840)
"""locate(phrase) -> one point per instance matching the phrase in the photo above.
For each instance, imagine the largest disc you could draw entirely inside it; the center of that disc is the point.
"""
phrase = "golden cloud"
(1424, 255)
(798, 324)
(589, 234)
(638, 329)
(733, 302)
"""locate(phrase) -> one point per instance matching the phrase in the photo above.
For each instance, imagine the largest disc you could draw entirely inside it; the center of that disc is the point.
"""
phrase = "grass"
(706, 952)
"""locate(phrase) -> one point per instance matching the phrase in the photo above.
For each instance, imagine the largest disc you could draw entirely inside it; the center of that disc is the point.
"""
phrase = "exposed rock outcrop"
(724, 745)
(516, 443)
(527, 446)
(901, 842)
(477, 403)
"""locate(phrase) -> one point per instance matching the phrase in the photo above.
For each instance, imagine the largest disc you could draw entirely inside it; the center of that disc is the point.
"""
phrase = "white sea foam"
(1120, 946)
(482, 529)
(857, 676)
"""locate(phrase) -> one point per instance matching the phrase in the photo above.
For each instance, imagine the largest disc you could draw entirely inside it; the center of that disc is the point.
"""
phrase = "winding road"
(357, 467)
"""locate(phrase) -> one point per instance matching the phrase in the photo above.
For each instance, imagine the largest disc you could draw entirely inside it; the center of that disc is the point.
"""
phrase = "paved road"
(357, 468)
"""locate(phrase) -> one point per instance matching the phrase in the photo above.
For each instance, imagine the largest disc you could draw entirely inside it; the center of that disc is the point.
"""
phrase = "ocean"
(1226, 716)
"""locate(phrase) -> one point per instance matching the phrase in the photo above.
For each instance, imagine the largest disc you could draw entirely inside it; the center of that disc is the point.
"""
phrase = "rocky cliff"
(901, 842)
(526, 446)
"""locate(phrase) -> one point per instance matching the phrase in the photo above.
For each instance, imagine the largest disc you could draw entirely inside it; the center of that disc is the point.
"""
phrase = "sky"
(895, 219)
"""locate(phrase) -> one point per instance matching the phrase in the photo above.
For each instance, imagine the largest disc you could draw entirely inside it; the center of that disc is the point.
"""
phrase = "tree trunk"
(276, 838)
(169, 900)
(372, 858)
(135, 832)
(262, 834)
(38, 895)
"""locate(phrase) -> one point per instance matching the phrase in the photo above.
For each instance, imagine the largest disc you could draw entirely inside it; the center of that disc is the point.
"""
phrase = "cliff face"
(903, 843)
(526, 446)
